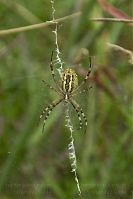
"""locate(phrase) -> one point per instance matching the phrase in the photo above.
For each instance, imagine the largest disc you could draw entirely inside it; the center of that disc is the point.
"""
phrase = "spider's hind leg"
(86, 77)
(53, 73)
(51, 67)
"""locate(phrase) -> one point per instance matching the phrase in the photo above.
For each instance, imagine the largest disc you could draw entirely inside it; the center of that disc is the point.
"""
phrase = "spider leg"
(52, 71)
(48, 110)
(81, 91)
(88, 74)
(86, 77)
(49, 86)
(51, 67)
(79, 111)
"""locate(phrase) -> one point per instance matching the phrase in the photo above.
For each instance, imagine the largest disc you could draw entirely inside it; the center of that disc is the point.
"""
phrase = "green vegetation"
(36, 165)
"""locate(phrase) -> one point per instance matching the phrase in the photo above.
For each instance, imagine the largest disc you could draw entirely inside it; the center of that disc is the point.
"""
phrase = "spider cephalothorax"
(67, 89)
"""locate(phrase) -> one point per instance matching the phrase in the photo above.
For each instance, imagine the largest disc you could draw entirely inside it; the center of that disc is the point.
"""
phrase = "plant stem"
(48, 23)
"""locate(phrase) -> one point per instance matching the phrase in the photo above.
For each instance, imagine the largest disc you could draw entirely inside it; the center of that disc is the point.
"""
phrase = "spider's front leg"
(79, 116)
(46, 112)
(80, 112)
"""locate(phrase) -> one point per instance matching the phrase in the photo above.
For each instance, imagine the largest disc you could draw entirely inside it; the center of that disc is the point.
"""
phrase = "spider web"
(58, 59)
(71, 148)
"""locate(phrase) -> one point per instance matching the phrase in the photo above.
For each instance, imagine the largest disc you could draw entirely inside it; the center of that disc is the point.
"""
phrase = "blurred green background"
(36, 165)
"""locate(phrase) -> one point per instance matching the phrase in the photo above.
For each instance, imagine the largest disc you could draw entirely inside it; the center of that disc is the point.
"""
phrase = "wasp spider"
(67, 89)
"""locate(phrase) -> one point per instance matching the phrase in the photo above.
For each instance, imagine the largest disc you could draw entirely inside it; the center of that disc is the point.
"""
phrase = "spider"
(68, 88)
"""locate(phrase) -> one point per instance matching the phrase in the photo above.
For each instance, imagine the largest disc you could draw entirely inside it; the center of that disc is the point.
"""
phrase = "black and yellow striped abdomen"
(69, 81)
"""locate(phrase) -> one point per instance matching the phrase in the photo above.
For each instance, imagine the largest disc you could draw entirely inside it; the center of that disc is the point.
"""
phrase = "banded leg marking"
(86, 77)
(52, 71)
(48, 110)
(80, 110)
(89, 71)
(51, 66)
(78, 113)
